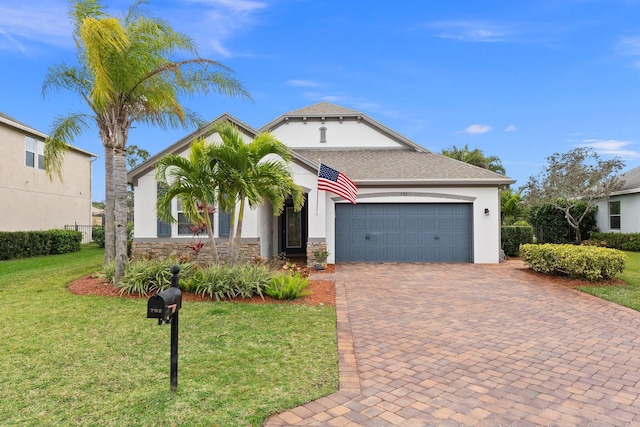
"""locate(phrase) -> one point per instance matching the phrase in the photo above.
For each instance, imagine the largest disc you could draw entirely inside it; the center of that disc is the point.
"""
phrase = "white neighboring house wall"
(629, 214)
(32, 201)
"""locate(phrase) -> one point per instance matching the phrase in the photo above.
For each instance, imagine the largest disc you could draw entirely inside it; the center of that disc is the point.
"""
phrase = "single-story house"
(621, 211)
(413, 205)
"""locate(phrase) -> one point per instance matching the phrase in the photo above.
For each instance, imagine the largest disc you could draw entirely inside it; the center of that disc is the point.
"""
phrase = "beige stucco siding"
(29, 200)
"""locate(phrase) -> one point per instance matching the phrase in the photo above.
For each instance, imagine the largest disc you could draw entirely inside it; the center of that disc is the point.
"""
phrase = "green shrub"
(24, 244)
(590, 263)
(97, 235)
(226, 282)
(622, 241)
(288, 286)
(65, 241)
(145, 277)
(514, 236)
(553, 220)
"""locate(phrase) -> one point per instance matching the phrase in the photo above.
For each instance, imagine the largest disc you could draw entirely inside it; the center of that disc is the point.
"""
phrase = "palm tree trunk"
(212, 240)
(120, 190)
(109, 208)
(232, 230)
(238, 236)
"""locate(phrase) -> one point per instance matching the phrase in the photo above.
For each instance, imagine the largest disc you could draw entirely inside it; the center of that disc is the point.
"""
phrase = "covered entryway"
(404, 232)
(293, 228)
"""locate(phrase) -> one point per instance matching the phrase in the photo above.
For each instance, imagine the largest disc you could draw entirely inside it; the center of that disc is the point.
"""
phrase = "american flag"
(337, 183)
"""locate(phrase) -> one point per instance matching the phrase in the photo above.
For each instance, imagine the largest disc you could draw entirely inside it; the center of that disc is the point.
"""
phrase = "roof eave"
(466, 182)
(42, 135)
(183, 143)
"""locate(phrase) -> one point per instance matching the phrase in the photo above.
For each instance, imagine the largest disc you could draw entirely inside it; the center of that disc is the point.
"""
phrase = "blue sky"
(520, 80)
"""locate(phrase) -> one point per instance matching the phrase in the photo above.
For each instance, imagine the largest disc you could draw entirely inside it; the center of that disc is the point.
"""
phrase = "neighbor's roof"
(402, 167)
(631, 181)
(16, 124)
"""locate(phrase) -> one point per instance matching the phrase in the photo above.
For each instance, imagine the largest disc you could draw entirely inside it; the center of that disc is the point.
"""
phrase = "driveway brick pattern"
(475, 345)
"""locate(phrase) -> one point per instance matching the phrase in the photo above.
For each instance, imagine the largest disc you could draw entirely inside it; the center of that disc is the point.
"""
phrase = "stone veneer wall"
(311, 247)
(180, 249)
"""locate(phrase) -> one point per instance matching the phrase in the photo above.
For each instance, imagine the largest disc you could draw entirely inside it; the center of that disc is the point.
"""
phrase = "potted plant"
(321, 256)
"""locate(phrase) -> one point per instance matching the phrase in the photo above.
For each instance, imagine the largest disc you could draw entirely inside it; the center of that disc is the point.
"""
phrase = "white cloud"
(610, 147)
(476, 129)
(212, 23)
(301, 83)
(471, 31)
(629, 46)
(510, 128)
(25, 23)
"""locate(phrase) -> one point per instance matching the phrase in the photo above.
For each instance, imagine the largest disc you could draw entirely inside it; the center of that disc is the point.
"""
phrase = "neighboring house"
(412, 206)
(97, 216)
(621, 211)
(30, 200)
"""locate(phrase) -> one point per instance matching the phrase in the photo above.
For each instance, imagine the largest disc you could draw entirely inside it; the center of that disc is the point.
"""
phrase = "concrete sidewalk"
(465, 345)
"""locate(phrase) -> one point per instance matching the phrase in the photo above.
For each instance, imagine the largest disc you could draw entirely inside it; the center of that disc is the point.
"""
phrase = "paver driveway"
(464, 344)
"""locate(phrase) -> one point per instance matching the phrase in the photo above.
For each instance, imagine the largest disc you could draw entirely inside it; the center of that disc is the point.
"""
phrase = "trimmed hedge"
(588, 263)
(25, 244)
(513, 236)
(622, 241)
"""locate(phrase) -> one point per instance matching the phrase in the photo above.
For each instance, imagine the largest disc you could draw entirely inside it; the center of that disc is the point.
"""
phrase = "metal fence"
(554, 234)
(86, 230)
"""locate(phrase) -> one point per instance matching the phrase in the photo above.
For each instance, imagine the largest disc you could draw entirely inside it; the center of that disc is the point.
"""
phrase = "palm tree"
(193, 180)
(252, 172)
(125, 75)
(475, 157)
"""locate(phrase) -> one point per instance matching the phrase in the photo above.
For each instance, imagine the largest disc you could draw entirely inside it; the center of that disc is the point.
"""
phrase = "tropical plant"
(252, 172)
(226, 281)
(288, 286)
(145, 277)
(194, 181)
(126, 75)
(475, 157)
(577, 177)
(511, 206)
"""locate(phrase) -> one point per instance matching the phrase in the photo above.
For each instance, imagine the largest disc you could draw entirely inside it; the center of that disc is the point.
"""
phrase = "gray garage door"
(403, 232)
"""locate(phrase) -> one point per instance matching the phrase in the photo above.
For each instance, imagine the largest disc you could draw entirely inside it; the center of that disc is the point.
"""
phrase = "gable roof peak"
(323, 108)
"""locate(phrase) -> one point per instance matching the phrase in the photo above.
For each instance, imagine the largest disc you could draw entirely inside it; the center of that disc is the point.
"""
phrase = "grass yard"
(68, 360)
(628, 296)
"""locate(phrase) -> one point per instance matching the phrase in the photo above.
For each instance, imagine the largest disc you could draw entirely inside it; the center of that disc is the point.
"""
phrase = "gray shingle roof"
(631, 181)
(322, 108)
(381, 166)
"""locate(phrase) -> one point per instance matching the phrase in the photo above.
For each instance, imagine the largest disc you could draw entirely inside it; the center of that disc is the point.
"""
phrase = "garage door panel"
(403, 232)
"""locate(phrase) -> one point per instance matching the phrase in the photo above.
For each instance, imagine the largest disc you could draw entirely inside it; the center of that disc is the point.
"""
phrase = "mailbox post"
(165, 306)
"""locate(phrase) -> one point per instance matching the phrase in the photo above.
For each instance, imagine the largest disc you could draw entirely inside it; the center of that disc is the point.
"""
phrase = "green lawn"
(628, 296)
(68, 359)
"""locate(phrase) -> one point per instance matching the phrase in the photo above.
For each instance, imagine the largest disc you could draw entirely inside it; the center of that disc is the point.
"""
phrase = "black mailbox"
(162, 305)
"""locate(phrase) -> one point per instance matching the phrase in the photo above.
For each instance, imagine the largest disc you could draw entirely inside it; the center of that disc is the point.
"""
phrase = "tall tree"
(510, 206)
(126, 74)
(475, 157)
(577, 177)
(194, 181)
(252, 172)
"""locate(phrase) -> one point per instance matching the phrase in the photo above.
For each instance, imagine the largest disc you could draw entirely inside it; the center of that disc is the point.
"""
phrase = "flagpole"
(317, 189)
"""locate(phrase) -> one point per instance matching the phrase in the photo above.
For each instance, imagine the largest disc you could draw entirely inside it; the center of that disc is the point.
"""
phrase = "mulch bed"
(323, 292)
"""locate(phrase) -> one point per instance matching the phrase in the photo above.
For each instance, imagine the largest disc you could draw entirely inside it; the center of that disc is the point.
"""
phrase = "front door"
(293, 230)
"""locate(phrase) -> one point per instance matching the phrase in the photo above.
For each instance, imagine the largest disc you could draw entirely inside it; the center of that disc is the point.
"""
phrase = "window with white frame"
(34, 152)
(614, 215)
(186, 227)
